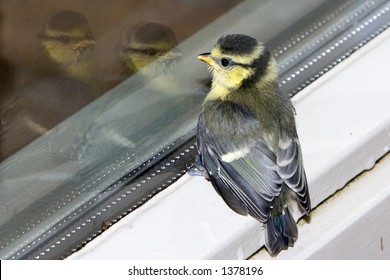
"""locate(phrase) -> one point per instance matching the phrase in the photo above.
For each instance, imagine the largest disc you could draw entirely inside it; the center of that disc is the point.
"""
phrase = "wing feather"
(293, 172)
(251, 178)
(253, 174)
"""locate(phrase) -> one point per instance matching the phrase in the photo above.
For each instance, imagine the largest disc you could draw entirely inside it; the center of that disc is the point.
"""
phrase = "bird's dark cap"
(67, 21)
(237, 44)
(152, 33)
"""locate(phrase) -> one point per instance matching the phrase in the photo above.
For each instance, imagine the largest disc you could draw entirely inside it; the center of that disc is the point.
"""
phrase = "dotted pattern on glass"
(113, 204)
(339, 49)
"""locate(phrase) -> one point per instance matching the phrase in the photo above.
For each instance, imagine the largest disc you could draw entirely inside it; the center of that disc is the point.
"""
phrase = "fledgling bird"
(61, 82)
(151, 50)
(68, 46)
(247, 139)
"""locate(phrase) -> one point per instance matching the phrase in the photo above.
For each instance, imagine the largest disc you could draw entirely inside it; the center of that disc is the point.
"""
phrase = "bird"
(247, 141)
(151, 49)
(59, 83)
(67, 45)
(151, 56)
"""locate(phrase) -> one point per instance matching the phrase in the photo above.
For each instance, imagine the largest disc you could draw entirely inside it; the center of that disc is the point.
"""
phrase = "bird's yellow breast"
(227, 81)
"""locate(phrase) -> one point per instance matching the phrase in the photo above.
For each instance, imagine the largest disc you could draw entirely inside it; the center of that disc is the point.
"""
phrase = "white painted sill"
(343, 122)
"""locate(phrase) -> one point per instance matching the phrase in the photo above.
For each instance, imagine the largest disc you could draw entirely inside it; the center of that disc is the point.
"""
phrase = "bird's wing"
(248, 174)
(244, 173)
(290, 169)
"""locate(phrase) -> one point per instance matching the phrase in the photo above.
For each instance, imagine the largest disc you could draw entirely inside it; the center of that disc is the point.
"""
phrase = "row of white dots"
(113, 203)
(333, 47)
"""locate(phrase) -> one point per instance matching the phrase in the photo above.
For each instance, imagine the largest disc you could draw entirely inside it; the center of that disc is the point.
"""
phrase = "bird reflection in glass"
(62, 81)
(151, 49)
(67, 44)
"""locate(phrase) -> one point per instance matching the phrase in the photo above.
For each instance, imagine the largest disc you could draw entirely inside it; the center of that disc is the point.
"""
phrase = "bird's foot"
(197, 169)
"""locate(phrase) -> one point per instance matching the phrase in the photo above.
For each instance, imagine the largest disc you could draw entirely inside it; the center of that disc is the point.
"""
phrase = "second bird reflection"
(151, 50)
(162, 98)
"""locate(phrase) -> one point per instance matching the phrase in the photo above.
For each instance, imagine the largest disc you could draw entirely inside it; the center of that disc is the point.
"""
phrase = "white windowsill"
(352, 224)
(343, 122)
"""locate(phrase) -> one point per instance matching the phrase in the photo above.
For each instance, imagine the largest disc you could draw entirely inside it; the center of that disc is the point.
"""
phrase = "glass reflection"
(67, 50)
(62, 80)
(96, 96)
(149, 42)
(155, 100)
(151, 50)
(66, 58)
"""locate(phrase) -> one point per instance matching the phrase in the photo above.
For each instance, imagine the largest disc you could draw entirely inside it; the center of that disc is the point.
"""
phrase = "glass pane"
(95, 90)
(91, 91)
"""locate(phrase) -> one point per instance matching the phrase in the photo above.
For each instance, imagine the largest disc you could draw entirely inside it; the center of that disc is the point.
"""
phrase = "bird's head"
(239, 61)
(66, 37)
(150, 43)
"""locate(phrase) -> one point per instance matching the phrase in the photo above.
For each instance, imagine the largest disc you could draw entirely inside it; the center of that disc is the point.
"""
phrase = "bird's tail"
(281, 232)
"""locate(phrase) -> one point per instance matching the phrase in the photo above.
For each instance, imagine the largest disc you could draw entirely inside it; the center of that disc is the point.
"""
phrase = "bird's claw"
(197, 169)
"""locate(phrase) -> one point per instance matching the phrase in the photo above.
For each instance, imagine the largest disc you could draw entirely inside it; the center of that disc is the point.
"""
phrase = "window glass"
(91, 90)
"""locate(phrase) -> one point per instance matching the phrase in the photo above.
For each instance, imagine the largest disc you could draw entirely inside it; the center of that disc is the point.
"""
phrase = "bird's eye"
(64, 39)
(225, 62)
(151, 52)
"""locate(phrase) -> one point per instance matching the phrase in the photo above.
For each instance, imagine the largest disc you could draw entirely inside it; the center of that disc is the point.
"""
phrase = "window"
(71, 167)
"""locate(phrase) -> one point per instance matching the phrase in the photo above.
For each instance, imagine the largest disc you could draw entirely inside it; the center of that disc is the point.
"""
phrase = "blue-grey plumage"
(247, 139)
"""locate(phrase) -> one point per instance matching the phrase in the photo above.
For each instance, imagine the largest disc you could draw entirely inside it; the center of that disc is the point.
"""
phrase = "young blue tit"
(67, 43)
(147, 43)
(62, 81)
(247, 139)
(151, 50)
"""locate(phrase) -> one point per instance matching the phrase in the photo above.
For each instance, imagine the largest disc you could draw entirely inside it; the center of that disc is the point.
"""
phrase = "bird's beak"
(206, 57)
(83, 44)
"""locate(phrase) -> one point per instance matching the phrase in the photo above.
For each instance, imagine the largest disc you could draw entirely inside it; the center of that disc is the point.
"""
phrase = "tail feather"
(281, 232)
